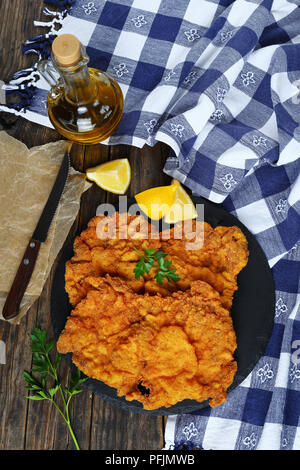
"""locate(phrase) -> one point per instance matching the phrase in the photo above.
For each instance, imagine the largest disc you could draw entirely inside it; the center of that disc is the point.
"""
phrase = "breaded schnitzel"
(100, 250)
(157, 350)
(223, 254)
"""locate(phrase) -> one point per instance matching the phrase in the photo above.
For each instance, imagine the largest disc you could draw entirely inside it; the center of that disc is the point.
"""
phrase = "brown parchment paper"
(26, 179)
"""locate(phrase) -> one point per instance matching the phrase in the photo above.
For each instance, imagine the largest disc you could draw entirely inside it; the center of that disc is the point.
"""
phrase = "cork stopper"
(66, 49)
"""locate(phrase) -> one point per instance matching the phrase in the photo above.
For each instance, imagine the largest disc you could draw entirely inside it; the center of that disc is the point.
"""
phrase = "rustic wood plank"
(15, 30)
(95, 155)
(116, 429)
(146, 167)
(43, 421)
(32, 134)
(13, 405)
(77, 155)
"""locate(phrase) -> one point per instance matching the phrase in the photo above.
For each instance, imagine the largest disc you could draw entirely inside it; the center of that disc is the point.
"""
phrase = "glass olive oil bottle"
(84, 104)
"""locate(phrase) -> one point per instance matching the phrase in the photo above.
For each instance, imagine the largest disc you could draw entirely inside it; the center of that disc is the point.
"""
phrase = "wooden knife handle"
(22, 278)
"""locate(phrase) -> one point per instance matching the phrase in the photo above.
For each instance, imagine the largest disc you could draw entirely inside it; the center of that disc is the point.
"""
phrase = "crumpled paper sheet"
(26, 179)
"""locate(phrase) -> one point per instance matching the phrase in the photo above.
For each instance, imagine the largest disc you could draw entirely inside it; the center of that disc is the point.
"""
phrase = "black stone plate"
(252, 313)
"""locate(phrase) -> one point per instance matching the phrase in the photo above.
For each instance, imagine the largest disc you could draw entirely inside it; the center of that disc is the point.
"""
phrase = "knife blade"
(24, 272)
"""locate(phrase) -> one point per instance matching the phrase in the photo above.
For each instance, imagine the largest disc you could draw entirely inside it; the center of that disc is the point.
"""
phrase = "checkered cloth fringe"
(217, 80)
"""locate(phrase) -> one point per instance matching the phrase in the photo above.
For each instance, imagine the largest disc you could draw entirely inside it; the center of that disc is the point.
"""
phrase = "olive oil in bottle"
(85, 105)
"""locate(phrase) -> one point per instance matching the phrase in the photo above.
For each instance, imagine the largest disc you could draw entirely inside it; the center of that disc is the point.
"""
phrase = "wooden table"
(36, 425)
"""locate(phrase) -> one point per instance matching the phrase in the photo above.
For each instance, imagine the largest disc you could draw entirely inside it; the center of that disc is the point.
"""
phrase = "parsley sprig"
(155, 258)
(43, 365)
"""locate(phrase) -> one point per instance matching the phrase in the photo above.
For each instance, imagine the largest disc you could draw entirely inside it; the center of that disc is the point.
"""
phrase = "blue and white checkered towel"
(217, 80)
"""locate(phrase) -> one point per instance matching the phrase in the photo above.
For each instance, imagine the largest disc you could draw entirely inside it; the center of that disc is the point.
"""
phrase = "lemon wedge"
(156, 202)
(112, 176)
(183, 207)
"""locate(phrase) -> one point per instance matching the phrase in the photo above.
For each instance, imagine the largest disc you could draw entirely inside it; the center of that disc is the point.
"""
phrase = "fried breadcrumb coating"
(157, 350)
(155, 344)
(221, 255)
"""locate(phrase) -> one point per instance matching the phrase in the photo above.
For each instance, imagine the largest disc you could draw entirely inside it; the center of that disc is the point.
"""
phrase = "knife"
(23, 275)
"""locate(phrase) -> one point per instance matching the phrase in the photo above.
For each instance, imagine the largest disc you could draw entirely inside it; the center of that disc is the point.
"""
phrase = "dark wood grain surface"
(36, 425)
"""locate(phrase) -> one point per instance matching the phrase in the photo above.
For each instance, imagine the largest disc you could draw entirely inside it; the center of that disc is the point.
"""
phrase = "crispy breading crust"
(100, 250)
(175, 347)
(221, 255)
(155, 344)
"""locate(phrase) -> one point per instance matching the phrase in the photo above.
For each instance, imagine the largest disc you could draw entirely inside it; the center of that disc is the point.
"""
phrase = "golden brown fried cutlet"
(175, 347)
(155, 344)
(94, 256)
(220, 257)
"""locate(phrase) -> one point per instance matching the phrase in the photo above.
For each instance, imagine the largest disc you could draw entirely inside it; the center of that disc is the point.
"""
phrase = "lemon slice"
(112, 176)
(156, 202)
(183, 207)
